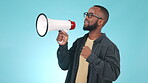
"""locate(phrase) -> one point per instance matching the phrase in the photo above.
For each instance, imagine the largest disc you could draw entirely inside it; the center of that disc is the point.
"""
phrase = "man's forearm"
(63, 57)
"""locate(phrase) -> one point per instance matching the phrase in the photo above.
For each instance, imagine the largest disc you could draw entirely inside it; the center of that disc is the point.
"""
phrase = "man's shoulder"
(82, 38)
(107, 42)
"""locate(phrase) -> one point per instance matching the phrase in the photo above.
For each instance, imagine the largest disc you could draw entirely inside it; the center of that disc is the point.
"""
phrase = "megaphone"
(43, 25)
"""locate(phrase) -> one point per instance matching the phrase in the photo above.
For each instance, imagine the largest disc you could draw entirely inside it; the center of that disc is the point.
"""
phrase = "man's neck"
(93, 35)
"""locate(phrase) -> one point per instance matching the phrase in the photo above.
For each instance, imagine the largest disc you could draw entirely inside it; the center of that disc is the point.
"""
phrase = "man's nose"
(86, 18)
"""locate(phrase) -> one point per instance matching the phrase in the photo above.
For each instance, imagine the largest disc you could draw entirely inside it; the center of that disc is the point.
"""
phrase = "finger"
(84, 49)
(64, 33)
(87, 48)
(60, 36)
(59, 39)
(82, 54)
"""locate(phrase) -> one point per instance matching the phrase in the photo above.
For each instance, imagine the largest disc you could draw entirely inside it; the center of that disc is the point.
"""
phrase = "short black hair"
(104, 11)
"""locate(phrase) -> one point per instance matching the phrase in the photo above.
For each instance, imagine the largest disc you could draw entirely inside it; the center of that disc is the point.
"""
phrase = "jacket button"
(76, 67)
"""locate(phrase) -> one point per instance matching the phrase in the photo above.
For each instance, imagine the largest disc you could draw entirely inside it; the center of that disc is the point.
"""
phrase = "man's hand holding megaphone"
(62, 38)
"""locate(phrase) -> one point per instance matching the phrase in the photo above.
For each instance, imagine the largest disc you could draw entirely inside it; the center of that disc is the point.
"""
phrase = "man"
(92, 58)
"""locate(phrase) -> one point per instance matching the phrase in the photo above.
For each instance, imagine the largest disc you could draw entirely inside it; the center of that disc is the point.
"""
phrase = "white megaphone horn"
(43, 25)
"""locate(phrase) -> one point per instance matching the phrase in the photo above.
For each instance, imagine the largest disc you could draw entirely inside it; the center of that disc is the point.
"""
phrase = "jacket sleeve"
(109, 68)
(65, 56)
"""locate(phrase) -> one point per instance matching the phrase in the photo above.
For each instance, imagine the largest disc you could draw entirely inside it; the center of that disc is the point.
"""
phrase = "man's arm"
(63, 57)
(63, 54)
(109, 69)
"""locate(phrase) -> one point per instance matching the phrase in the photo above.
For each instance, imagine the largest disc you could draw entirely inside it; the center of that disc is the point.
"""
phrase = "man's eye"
(90, 14)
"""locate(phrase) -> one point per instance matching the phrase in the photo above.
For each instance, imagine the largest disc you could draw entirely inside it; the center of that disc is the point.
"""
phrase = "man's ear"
(100, 22)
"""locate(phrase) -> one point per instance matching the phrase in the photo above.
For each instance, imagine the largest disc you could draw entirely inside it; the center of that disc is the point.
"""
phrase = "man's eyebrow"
(90, 12)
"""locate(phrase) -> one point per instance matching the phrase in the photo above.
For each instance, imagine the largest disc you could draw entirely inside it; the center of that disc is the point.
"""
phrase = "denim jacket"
(104, 61)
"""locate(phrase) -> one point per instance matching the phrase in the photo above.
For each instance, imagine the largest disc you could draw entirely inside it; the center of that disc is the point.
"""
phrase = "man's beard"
(90, 27)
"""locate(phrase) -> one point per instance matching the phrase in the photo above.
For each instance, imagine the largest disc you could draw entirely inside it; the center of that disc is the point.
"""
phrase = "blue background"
(27, 58)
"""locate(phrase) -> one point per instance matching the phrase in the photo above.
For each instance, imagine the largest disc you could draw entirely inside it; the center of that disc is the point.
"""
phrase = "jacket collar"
(98, 39)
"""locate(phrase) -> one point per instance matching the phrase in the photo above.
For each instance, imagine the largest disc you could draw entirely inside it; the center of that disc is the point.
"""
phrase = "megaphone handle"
(66, 30)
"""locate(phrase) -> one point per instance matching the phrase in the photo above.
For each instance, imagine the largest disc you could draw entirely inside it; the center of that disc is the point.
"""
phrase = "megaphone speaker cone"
(42, 25)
